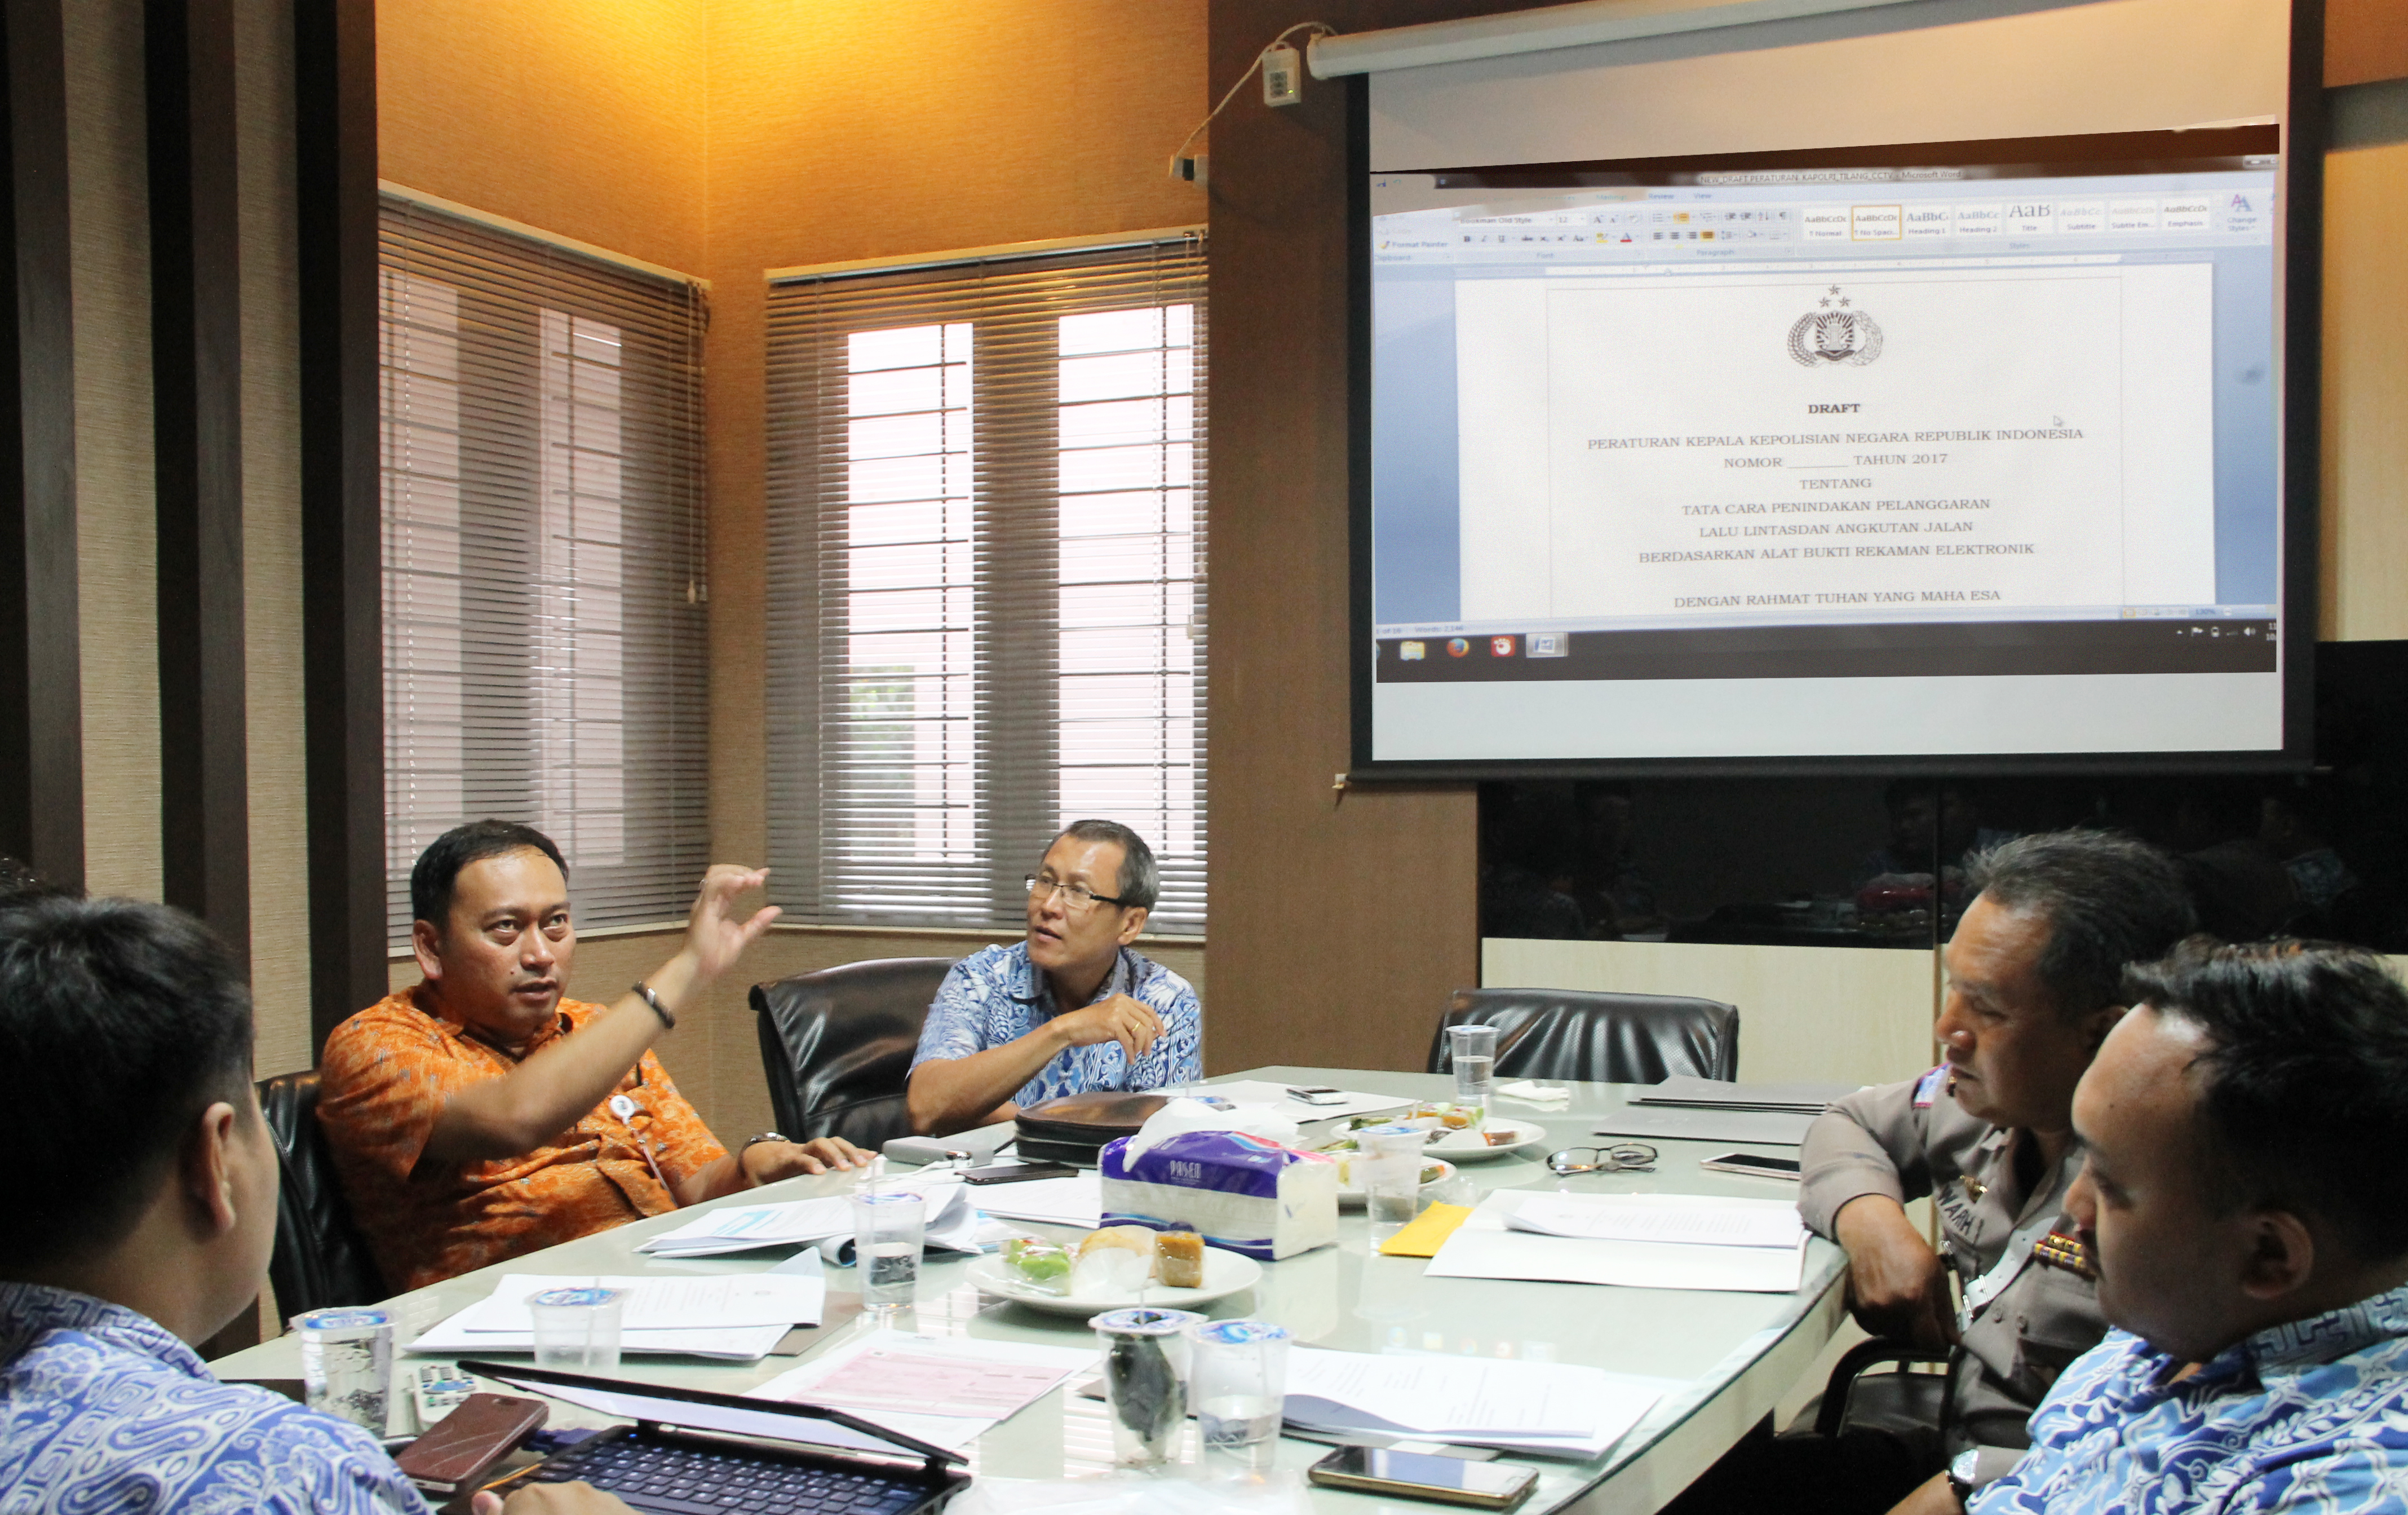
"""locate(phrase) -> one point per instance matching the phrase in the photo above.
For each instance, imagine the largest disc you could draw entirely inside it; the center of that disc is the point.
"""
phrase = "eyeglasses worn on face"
(1074, 896)
(1630, 1157)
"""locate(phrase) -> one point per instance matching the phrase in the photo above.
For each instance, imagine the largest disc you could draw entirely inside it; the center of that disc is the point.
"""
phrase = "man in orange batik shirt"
(480, 1116)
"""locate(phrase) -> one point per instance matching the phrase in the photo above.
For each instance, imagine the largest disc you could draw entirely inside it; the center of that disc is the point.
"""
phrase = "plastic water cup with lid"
(1238, 1385)
(1146, 1359)
(347, 1364)
(577, 1329)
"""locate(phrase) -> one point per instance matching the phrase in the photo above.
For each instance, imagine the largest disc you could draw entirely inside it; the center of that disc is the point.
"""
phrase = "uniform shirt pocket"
(2056, 1320)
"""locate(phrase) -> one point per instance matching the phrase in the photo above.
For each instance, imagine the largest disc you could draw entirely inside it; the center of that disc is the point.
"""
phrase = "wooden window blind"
(543, 591)
(986, 577)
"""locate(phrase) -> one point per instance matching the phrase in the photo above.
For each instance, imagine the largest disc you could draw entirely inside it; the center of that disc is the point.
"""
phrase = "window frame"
(516, 715)
(1005, 295)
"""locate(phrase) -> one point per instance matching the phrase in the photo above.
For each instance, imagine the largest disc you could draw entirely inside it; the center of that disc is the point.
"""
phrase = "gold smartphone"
(1413, 1475)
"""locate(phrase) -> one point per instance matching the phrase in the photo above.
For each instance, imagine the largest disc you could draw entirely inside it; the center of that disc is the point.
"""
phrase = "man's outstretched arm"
(551, 1090)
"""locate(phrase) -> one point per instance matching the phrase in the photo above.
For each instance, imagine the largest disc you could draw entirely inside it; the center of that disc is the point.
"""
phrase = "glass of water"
(1473, 1051)
(347, 1364)
(887, 1232)
(1237, 1382)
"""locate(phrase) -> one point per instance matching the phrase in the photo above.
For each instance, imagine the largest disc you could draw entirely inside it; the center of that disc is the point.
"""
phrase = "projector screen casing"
(2297, 255)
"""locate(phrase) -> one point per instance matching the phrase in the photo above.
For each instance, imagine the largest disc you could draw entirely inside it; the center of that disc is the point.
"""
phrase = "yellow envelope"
(1426, 1232)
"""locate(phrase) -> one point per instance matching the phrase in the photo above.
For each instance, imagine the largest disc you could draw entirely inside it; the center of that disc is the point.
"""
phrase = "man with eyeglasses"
(1073, 1008)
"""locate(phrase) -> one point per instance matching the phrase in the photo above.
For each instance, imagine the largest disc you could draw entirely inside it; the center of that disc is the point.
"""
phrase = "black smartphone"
(1413, 1475)
(1751, 1164)
(1012, 1173)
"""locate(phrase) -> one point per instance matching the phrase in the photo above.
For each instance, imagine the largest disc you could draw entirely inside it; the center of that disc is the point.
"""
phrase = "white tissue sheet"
(1185, 1115)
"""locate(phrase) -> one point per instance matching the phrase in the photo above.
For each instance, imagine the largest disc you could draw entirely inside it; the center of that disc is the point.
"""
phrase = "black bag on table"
(1074, 1128)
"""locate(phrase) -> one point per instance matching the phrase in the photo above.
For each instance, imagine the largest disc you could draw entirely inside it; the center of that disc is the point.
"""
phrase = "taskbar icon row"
(1534, 645)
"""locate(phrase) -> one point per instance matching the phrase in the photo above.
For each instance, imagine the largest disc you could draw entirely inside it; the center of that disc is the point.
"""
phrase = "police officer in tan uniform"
(2033, 973)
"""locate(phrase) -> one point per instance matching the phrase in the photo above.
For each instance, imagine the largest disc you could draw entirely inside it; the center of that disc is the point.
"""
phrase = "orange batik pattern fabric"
(386, 1073)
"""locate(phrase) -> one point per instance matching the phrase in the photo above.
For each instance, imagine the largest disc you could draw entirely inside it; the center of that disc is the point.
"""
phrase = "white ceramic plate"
(1226, 1273)
(1470, 1147)
(1350, 1196)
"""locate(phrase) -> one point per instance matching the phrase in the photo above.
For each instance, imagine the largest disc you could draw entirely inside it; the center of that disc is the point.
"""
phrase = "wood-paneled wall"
(117, 531)
(271, 540)
(116, 495)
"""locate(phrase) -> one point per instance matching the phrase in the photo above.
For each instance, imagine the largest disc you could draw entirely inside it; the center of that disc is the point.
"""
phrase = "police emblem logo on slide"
(1834, 334)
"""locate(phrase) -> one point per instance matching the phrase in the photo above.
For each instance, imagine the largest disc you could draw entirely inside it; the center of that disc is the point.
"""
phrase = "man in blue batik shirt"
(1071, 1009)
(2247, 1214)
(144, 1209)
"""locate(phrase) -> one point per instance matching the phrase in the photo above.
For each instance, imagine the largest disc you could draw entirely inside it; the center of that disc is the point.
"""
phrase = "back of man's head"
(2303, 1096)
(437, 873)
(2109, 900)
(120, 1022)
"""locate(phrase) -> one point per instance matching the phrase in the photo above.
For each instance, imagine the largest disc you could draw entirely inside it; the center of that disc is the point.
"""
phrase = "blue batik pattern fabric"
(2312, 1416)
(102, 1409)
(997, 995)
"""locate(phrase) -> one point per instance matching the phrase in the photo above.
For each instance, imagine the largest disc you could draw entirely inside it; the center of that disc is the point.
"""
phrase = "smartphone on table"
(1418, 1474)
(1753, 1165)
(1016, 1173)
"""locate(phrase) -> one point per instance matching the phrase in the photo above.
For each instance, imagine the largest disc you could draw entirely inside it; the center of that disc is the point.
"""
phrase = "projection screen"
(1929, 385)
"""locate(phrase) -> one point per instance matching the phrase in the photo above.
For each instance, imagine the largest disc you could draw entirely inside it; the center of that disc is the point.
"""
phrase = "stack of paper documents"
(1262, 1092)
(1714, 1094)
(1639, 1241)
(952, 1222)
(1687, 1109)
(735, 1314)
(947, 1391)
(1075, 1201)
(1549, 1407)
(742, 1228)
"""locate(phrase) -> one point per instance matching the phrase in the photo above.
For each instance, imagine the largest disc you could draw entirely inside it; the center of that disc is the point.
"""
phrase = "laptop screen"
(700, 1410)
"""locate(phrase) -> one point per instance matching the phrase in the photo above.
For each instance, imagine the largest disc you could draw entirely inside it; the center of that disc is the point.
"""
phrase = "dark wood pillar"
(41, 683)
(196, 425)
(334, 45)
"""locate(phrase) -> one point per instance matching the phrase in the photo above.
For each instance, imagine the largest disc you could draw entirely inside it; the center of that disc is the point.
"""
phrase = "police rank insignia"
(1835, 334)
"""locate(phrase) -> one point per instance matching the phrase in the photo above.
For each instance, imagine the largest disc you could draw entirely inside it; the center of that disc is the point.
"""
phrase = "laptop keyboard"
(690, 1480)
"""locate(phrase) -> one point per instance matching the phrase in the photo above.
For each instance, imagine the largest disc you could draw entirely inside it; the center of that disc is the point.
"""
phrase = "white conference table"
(1732, 1355)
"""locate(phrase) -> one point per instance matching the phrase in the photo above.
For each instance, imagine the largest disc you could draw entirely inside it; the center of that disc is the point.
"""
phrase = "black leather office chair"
(319, 1258)
(1906, 1404)
(836, 1046)
(1606, 1038)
